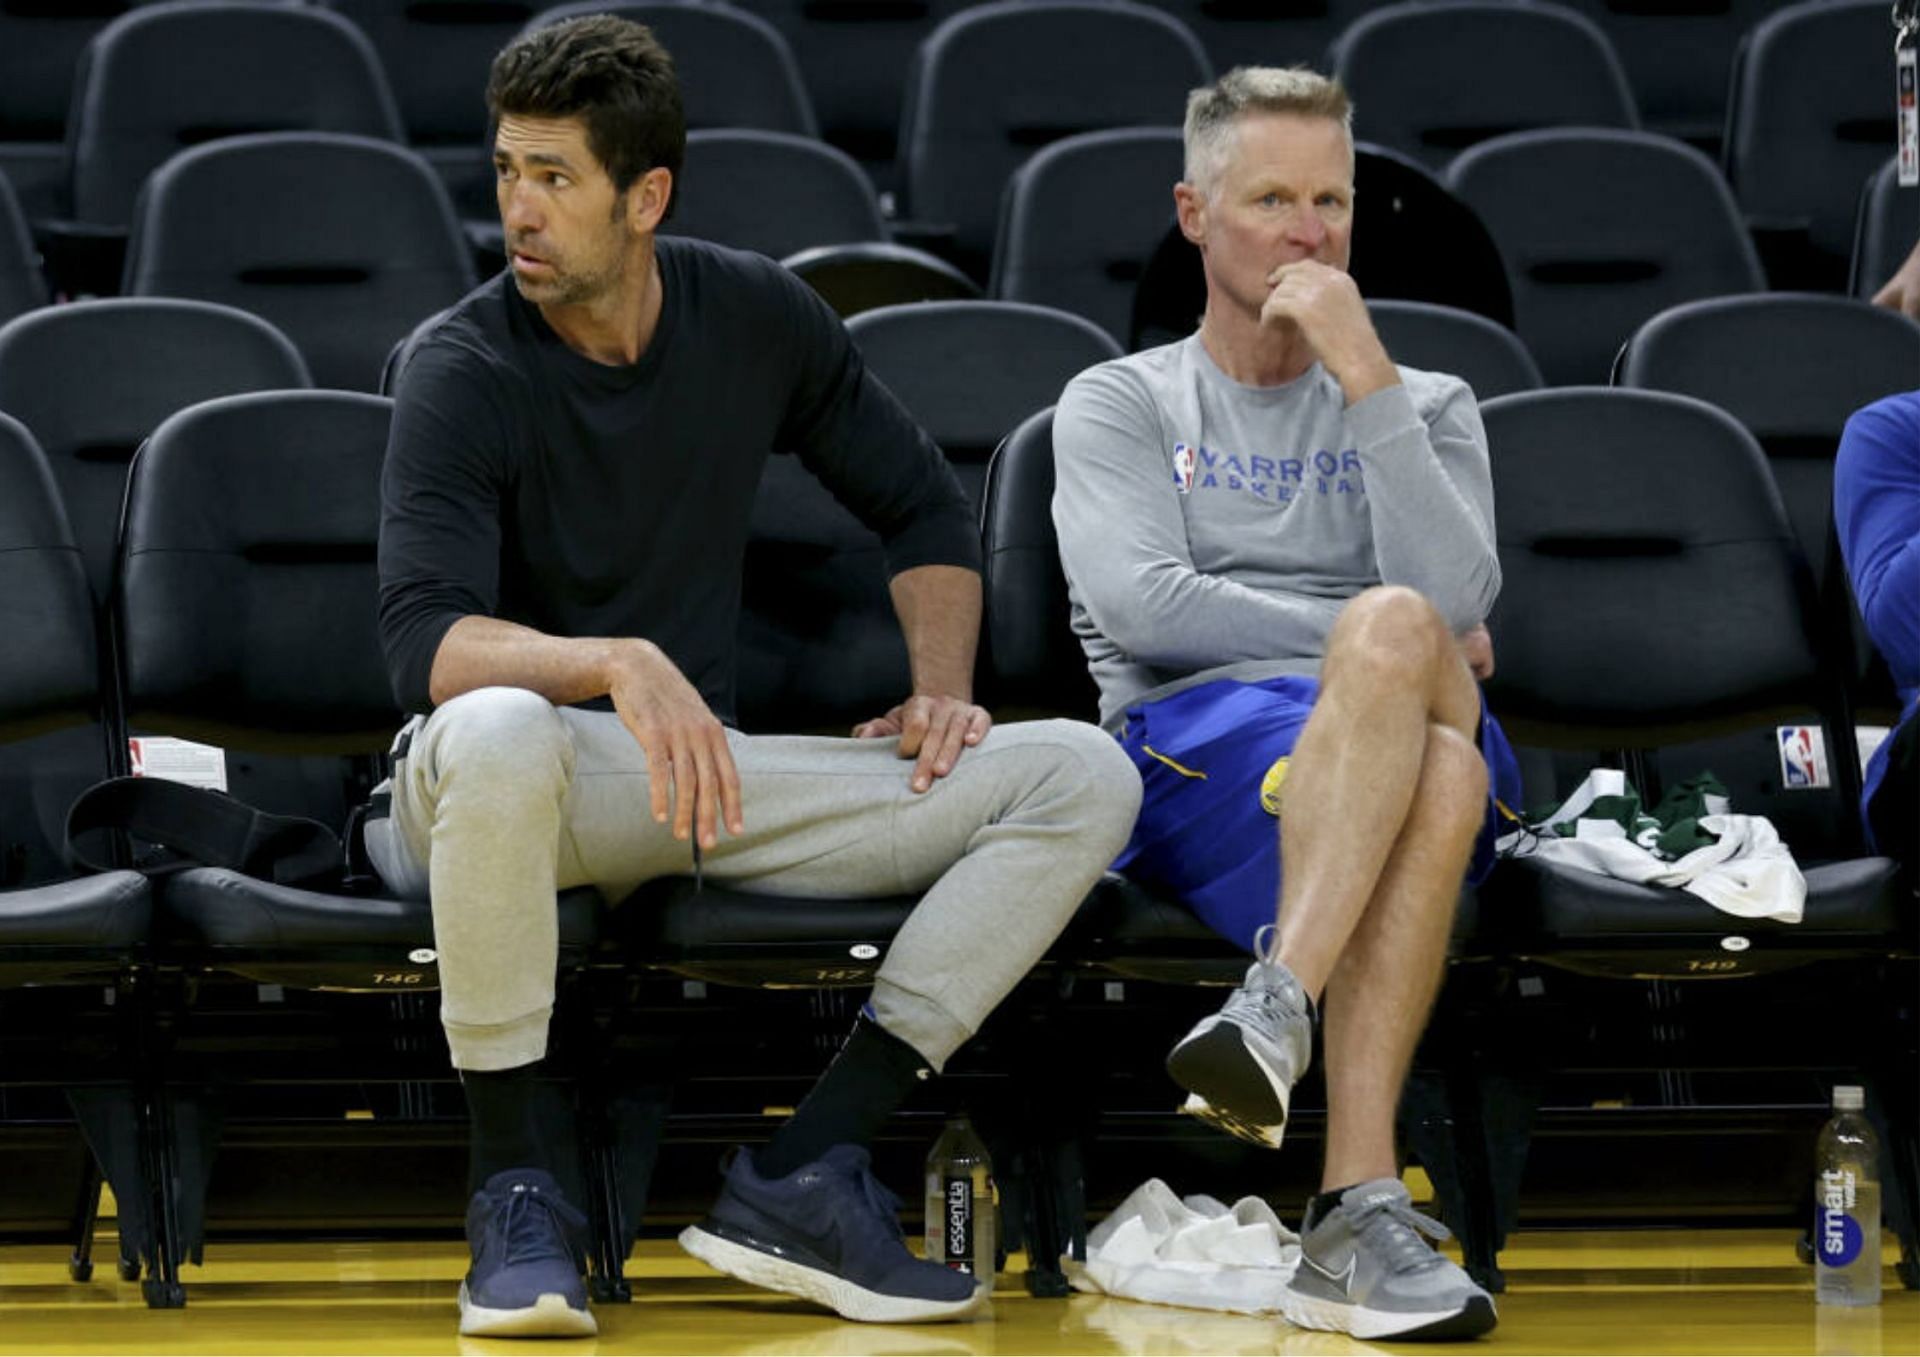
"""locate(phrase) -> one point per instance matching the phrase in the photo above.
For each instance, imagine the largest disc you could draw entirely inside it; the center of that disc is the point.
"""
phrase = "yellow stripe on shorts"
(1181, 769)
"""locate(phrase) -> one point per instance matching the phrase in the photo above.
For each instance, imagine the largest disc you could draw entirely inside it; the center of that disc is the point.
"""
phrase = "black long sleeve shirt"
(527, 482)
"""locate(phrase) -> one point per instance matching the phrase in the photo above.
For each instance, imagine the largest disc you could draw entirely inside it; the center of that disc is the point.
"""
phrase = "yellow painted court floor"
(1728, 1291)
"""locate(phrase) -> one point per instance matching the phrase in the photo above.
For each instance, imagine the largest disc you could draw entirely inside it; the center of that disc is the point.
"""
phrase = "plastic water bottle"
(1846, 1205)
(961, 1201)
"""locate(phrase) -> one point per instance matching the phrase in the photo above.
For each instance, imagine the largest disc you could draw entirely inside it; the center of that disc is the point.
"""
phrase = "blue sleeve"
(1876, 509)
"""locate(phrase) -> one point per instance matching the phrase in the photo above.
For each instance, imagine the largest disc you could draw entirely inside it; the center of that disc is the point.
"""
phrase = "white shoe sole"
(1307, 1312)
(548, 1317)
(839, 1295)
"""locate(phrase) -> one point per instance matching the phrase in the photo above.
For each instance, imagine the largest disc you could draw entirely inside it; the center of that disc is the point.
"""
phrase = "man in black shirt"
(574, 455)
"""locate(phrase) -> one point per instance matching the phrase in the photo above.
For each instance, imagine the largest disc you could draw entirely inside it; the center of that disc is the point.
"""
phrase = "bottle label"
(957, 1220)
(1837, 1235)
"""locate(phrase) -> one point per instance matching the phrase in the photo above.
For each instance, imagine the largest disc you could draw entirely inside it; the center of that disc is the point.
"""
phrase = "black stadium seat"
(1887, 230)
(90, 931)
(39, 46)
(1432, 77)
(1079, 221)
(280, 224)
(1809, 117)
(21, 285)
(735, 69)
(733, 177)
(436, 54)
(163, 78)
(245, 618)
(1489, 358)
(1057, 67)
(1654, 596)
(1266, 32)
(1599, 230)
(165, 354)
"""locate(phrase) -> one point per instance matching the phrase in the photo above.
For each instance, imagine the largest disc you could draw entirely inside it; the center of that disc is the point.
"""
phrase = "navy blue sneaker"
(526, 1279)
(828, 1232)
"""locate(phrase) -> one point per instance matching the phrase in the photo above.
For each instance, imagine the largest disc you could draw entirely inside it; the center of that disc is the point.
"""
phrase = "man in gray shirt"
(1279, 547)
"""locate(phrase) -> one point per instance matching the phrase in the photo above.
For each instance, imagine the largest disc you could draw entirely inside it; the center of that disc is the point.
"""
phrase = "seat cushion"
(309, 939)
(90, 924)
(1600, 925)
(736, 937)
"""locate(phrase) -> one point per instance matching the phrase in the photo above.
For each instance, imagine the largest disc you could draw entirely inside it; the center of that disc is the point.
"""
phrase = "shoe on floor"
(526, 1279)
(1366, 1270)
(1239, 1065)
(830, 1233)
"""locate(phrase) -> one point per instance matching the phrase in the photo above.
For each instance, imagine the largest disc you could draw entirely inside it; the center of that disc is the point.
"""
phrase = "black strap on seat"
(195, 827)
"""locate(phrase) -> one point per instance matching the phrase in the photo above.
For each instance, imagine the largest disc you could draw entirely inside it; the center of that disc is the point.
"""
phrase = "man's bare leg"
(1392, 672)
(1383, 986)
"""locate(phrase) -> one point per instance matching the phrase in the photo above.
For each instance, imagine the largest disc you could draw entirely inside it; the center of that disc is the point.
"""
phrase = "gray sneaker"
(1239, 1065)
(1365, 1270)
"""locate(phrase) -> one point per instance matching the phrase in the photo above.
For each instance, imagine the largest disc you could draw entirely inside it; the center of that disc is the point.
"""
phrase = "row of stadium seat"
(242, 615)
(1575, 237)
(1809, 112)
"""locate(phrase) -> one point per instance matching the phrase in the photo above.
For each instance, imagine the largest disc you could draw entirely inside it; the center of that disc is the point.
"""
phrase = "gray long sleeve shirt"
(1214, 530)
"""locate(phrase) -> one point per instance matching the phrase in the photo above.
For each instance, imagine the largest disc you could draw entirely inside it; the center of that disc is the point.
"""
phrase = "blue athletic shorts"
(1210, 759)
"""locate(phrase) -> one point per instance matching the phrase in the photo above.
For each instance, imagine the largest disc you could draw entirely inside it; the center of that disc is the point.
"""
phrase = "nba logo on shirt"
(1182, 467)
(1803, 758)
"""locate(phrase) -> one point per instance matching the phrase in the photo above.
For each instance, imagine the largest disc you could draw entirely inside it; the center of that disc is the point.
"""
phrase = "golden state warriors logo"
(1270, 786)
(1182, 468)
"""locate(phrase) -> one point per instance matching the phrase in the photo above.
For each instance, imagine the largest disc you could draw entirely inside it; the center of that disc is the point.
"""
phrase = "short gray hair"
(1212, 112)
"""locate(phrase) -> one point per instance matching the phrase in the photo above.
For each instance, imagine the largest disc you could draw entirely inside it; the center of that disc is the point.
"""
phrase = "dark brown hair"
(613, 75)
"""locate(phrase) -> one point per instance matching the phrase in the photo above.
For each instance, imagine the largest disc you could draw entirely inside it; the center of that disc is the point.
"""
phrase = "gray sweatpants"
(503, 798)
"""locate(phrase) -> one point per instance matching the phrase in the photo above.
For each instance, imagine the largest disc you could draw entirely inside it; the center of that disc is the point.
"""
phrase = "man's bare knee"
(1390, 636)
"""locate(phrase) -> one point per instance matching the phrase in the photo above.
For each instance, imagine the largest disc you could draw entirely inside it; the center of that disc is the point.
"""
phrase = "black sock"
(518, 1121)
(872, 1075)
(1322, 1204)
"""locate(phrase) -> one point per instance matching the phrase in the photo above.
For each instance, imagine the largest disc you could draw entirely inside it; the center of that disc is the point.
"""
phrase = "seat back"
(1490, 358)
(867, 274)
(819, 644)
(1600, 230)
(970, 371)
(279, 225)
(1035, 662)
(1058, 67)
(731, 175)
(853, 57)
(1791, 367)
(735, 69)
(166, 77)
(247, 599)
(40, 43)
(1413, 240)
(1266, 32)
(51, 677)
(1080, 220)
(1431, 77)
(164, 355)
(436, 54)
(21, 285)
(1677, 57)
(1809, 117)
(1888, 221)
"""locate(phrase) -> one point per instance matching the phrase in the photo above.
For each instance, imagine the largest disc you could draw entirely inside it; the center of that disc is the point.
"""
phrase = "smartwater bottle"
(960, 1202)
(1846, 1205)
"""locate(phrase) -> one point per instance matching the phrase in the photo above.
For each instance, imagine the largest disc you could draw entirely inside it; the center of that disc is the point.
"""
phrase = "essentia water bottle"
(960, 1202)
(1846, 1205)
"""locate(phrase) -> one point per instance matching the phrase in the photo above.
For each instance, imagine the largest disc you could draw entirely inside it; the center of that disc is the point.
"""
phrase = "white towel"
(1195, 1252)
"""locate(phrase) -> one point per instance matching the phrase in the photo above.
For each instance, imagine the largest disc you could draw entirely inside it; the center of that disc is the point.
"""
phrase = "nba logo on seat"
(1803, 758)
(1182, 467)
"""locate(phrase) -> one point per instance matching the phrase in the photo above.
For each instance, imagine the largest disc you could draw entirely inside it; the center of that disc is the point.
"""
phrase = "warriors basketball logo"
(1182, 467)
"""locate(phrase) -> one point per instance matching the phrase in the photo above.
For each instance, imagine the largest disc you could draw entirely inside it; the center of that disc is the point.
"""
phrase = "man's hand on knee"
(685, 744)
(933, 731)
